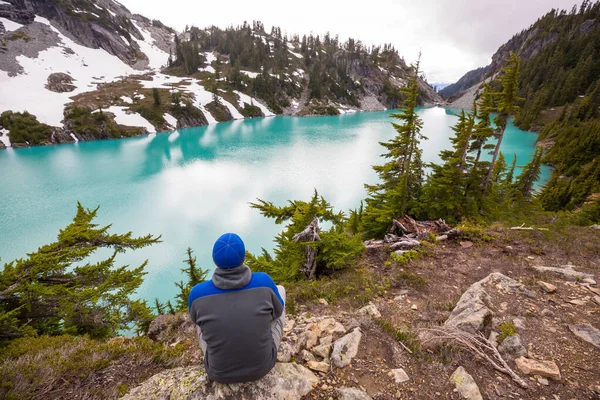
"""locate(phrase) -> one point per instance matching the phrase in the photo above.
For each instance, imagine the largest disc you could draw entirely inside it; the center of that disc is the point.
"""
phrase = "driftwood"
(407, 225)
(525, 228)
(478, 345)
(406, 232)
(309, 234)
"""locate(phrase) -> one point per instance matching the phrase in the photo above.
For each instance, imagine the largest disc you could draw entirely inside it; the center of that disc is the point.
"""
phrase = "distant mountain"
(84, 70)
(455, 90)
(560, 85)
(440, 86)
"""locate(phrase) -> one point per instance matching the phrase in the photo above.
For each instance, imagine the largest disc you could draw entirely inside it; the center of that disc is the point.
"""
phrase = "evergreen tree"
(401, 178)
(506, 107)
(194, 274)
(334, 249)
(530, 174)
(445, 193)
(156, 96)
(54, 291)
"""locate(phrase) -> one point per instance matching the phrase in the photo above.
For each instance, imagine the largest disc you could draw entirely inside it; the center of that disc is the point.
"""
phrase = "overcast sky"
(455, 36)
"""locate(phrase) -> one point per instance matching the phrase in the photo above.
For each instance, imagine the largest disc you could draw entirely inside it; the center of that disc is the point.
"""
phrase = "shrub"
(506, 329)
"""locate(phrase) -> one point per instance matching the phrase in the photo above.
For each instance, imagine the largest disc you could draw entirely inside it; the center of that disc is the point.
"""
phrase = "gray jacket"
(234, 311)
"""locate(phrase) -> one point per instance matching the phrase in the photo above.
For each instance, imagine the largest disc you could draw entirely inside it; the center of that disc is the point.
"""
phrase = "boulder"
(346, 348)
(465, 384)
(322, 350)
(566, 272)
(285, 381)
(547, 369)
(60, 82)
(370, 310)
(347, 393)
(587, 333)
(511, 347)
(473, 311)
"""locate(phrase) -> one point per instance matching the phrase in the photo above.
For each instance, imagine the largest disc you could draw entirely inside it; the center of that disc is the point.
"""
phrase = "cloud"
(455, 36)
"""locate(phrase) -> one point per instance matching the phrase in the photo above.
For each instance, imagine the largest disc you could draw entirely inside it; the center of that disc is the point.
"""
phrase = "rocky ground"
(529, 297)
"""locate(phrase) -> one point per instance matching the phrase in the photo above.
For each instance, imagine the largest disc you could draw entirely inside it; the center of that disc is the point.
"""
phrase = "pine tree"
(334, 249)
(55, 291)
(506, 107)
(195, 275)
(401, 178)
(444, 194)
(156, 96)
(530, 175)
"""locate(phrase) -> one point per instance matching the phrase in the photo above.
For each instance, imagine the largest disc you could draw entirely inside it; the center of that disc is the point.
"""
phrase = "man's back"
(235, 312)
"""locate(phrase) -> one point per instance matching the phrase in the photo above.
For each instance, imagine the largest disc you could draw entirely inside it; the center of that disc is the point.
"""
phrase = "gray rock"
(346, 348)
(597, 227)
(472, 312)
(511, 347)
(285, 381)
(347, 393)
(322, 351)
(566, 272)
(285, 352)
(587, 333)
(60, 83)
(465, 384)
(400, 375)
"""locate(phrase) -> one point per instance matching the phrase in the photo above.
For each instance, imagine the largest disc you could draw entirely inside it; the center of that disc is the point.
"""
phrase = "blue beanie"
(229, 251)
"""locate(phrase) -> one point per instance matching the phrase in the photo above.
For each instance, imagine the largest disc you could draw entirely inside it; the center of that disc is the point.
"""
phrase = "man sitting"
(240, 316)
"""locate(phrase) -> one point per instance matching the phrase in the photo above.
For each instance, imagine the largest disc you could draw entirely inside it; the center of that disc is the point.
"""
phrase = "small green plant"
(405, 258)
(473, 232)
(407, 278)
(506, 329)
(406, 338)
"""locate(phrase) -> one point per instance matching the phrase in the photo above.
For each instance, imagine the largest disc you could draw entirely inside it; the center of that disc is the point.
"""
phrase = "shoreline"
(19, 146)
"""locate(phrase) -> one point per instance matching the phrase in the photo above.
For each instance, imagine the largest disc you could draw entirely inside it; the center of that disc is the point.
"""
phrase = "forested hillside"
(297, 75)
(559, 86)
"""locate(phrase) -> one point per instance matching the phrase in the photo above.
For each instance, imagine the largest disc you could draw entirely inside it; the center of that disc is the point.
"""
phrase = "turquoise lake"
(192, 185)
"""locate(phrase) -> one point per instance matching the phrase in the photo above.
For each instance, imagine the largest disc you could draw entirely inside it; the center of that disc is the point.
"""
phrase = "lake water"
(193, 185)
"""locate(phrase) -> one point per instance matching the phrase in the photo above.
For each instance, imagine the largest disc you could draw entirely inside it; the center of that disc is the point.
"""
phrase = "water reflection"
(191, 185)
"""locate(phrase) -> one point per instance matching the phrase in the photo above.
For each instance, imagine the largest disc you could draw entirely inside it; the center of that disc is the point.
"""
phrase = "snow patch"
(234, 112)
(133, 119)
(4, 137)
(10, 25)
(244, 98)
(252, 75)
(127, 99)
(74, 137)
(171, 120)
(123, 38)
(201, 97)
(4, 2)
(27, 92)
(298, 55)
(156, 56)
